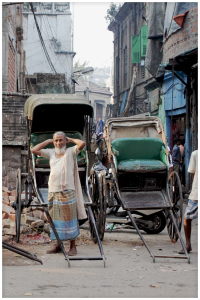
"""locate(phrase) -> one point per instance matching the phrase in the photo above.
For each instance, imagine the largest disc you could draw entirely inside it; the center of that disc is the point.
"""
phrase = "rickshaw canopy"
(55, 112)
(134, 127)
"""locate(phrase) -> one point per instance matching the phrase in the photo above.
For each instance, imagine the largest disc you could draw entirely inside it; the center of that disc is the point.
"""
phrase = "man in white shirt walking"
(192, 208)
(63, 185)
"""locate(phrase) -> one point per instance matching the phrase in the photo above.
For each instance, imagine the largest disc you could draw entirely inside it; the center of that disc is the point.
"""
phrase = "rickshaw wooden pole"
(138, 231)
(21, 252)
(98, 239)
(179, 235)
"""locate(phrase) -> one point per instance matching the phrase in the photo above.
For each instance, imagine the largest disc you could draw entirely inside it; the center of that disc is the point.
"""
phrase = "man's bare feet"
(189, 249)
(56, 248)
(72, 251)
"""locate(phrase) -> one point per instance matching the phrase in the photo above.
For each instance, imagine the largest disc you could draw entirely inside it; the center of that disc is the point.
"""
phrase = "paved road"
(129, 270)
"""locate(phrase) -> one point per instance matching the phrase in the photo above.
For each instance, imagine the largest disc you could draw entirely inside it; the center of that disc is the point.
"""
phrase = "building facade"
(13, 57)
(130, 40)
(55, 24)
(172, 51)
(99, 97)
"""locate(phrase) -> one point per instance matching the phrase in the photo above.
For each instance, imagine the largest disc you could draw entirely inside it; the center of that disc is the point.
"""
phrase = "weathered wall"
(12, 51)
(13, 138)
(11, 161)
(56, 27)
(184, 39)
(47, 83)
(129, 23)
(13, 121)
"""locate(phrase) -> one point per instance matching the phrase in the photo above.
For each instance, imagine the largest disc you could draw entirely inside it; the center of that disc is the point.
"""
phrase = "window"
(143, 71)
(99, 111)
(143, 40)
(135, 45)
(125, 67)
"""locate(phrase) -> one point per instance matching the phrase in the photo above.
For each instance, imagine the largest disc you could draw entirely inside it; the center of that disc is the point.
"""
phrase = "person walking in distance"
(176, 155)
(191, 212)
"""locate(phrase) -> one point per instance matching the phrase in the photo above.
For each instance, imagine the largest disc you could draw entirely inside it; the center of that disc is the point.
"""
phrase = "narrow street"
(129, 270)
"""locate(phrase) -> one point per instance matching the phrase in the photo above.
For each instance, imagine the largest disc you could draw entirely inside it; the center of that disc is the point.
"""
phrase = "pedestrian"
(182, 166)
(176, 155)
(101, 143)
(192, 207)
(169, 157)
(64, 189)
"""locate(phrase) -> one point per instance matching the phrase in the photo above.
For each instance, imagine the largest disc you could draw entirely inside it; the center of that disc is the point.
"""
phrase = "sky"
(93, 42)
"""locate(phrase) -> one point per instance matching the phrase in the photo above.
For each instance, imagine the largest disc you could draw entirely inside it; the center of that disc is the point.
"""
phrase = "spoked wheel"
(18, 205)
(99, 208)
(176, 196)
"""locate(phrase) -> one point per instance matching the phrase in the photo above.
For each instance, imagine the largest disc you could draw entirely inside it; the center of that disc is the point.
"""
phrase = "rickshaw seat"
(42, 162)
(139, 154)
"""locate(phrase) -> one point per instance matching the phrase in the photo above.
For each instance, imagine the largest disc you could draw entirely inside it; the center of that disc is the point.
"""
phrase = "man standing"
(192, 208)
(64, 188)
(176, 155)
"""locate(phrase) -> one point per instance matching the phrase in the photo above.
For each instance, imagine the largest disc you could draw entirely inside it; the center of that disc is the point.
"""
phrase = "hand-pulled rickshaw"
(46, 114)
(138, 181)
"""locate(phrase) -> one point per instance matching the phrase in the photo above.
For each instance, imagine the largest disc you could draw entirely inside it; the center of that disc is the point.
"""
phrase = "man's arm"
(37, 149)
(81, 144)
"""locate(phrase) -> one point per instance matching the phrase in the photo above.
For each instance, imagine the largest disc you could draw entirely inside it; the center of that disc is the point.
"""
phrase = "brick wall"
(11, 161)
(11, 68)
(13, 135)
(13, 121)
(184, 39)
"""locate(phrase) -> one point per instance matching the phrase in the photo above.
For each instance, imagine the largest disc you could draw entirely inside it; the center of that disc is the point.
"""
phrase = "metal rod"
(165, 256)
(179, 235)
(138, 231)
(180, 78)
(21, 252)
(86, 258)
(171, 137)
(98, 239)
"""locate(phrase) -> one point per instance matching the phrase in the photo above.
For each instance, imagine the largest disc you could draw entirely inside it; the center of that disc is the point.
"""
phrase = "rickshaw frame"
(112, 135)
(72, 113)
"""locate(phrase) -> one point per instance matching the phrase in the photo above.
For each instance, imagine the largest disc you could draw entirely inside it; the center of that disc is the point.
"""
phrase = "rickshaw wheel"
(99, 209)
(176, 196)
(18, 205)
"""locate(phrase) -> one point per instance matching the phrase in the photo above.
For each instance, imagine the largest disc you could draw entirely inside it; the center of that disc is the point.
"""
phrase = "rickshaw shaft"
(21, 252)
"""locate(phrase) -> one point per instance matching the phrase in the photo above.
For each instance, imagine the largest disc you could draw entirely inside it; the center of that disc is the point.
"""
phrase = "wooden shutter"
(135, 44)
(143, 40)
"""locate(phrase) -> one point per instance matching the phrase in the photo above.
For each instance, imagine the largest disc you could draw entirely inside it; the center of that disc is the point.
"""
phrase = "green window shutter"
(143, 40)
(135, 45)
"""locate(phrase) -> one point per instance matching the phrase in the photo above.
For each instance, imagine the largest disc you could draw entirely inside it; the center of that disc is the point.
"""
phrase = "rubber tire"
(174, 211)
(18, 205)
(98, 210)
(160, 215)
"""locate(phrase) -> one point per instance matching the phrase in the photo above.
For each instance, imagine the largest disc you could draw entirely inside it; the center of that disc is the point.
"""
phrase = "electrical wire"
(51, 26)
(42, 42)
